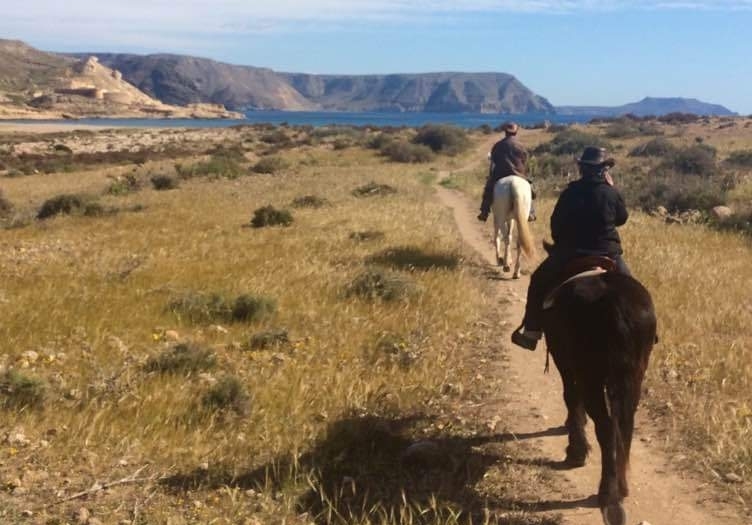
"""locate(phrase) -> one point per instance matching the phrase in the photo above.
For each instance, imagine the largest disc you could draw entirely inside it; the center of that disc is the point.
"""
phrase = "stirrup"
(523, 340)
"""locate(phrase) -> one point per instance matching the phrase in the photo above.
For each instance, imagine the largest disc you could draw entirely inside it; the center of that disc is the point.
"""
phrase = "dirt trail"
(659, 494)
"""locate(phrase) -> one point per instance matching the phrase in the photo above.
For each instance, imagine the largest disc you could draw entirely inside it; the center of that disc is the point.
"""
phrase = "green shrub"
(248, 308)
(19, 391)
(693, 160)
(270, 165)
(223, 163)
(376, 284)
(678, 194)
(269, 339)
(658, 147)
(402, 151)
(372, 189)
(270, 216)
(278, 137)
(164, 182)
(228, 393)
(414, 258)
(66, 204)
(309, 201)
(441, 138)
(742, 159)
(183, 358)
(571, 142)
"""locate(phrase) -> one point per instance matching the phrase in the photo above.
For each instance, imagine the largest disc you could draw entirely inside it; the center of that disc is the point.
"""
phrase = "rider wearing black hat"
(583, 223)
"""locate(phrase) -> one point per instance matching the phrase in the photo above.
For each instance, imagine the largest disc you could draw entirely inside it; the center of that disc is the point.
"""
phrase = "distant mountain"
(35, 84)
(181, 79)
(649, 106)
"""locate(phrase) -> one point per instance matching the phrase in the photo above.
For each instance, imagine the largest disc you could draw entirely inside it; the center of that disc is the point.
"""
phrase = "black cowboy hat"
(594, 156)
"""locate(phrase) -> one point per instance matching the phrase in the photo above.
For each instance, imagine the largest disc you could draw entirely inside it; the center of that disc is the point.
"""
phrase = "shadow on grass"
(374, 469)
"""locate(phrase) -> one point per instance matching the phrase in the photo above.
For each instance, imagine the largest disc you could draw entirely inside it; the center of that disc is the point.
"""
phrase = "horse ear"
(548, 246)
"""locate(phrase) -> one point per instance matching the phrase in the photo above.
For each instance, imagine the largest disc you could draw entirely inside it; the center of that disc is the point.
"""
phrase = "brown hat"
(510, 127)
(594, 156)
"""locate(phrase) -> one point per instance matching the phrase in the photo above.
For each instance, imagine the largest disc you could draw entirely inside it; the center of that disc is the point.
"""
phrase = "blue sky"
(596, 52)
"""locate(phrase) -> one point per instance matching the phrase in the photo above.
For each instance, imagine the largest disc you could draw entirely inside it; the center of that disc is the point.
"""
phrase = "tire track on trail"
(534, 408)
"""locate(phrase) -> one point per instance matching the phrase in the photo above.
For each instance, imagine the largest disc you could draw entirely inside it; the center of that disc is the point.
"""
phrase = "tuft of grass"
(378, 284)
(124, 185)
(373, 189)
(184, 358)
(203, 308)
(740, 158)
(270, 165)
(415, 258)
(223, 163)
(164, 182)
(228, 394)
(270, 216)
(367, 235)
(66, 204)
(309, 201)
(19, 391)
(269, 339)
(658, 147)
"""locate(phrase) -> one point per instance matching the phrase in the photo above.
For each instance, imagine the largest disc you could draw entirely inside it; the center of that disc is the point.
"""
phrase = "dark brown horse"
(600, 331)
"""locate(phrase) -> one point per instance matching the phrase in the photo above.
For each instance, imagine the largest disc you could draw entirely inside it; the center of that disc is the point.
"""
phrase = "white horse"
(511, 203)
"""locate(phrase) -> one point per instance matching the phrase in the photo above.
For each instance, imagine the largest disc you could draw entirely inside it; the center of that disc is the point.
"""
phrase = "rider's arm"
(620, 210)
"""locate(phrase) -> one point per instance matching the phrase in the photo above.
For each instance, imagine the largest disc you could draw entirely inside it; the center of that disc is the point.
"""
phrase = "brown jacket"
(508, 157)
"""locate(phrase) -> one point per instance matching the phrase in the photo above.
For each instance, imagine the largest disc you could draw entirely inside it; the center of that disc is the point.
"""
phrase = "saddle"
(586, 266)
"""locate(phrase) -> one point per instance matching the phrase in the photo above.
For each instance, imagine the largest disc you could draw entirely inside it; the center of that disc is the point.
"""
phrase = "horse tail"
(521, 216)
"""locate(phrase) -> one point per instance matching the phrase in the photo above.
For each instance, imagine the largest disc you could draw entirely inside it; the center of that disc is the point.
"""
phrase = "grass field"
(221, 373)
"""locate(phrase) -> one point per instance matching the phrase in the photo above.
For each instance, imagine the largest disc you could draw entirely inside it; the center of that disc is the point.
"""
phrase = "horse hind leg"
(577, 447)
(609, 490)
(519, 254)
(497, 242)
(507, 241)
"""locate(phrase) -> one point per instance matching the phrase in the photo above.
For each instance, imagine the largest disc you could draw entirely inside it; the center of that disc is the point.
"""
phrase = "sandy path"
(659, 494)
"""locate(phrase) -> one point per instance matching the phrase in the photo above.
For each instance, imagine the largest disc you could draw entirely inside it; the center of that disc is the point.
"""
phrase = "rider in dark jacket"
(508, 157)
(583, 223)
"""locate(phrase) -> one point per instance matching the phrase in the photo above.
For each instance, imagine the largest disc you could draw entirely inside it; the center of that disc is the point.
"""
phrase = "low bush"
(373, 189)
(741, 159)
(198, 308)
(377, 284)
(406, 152)
(658, 147)
(62, 148)
(183, 358)
(414, 258)
(19, 391)
(218, 165)
(692, 160)
(164, 182)
(571, 142)
(270, 165)
(65, 204)
(277, 137)
(229, 393)
(309, 201)
(269, 339)
(678, 194)
(449, 140)
(270, 216)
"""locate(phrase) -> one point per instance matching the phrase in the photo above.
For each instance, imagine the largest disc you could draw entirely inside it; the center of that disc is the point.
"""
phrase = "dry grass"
(89, 299)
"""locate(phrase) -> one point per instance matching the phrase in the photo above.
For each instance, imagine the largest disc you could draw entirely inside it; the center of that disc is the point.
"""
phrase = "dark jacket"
(508, 157)
(585, 218)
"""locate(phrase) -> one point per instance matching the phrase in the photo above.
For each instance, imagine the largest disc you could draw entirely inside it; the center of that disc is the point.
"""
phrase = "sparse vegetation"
(6, 207)
(309, 201)
(270, 165)
(124, 185)
(693, 160)
(229, 393)
(571, 142)
(740, 159)
(19, 391)
(374, 189)
(269, 339)
(164, 182)
(270, 216)
(381, 284)
(68, 204)
(367, 235)
(658, 147)
(403, 151)
(182, 358)
(415, 258)
(448, 140)
(206, 308)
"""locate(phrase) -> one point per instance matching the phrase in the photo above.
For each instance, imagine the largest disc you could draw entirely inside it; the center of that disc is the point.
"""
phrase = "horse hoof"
(506, 268)
(614, 514)
(516, 276)
(575, 461)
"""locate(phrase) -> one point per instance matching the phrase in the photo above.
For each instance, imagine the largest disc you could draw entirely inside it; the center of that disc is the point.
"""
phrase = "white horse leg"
(507, 241)
(516, 274)
(497, 239)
